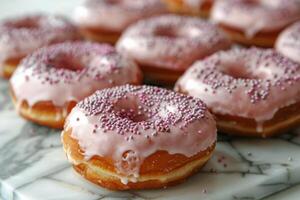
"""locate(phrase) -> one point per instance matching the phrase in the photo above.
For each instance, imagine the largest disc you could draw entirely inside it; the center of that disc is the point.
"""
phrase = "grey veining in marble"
(33, 166)
(4, 96)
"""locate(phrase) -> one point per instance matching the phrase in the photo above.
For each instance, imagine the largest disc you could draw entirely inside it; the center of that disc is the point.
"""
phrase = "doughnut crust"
(261, 39)
(159, 75)
(285, 119)
(43, 113)
(99, 35)
(180, 7)
(255, 22)
(158, 170)
(8, 68)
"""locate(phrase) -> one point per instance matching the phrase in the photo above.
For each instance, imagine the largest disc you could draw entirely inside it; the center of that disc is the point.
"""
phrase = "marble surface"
(33, 167)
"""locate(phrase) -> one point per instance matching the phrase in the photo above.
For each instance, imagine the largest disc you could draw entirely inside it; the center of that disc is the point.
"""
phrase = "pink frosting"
(288, 42)
(170, 41)
(71, 71)
(250, 83)
(140, 120)
(115, 15)
(253, 16)
(21, 36)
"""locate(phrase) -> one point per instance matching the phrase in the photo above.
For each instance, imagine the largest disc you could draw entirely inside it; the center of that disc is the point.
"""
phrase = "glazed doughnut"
(138, 137)
(165, 46)
(255, 22)
(252, 92)
(288, 42)
(105, 20)
(48, 83)
(21, 36)
(190, 7)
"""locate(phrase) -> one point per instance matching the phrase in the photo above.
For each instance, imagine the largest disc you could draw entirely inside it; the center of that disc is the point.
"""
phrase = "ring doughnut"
(23, 35)
(191, 7)
(255, 22)
(48, 83)
(252, 92)
(288, 42)
(138, 137)
(165, 46)
(105, 20)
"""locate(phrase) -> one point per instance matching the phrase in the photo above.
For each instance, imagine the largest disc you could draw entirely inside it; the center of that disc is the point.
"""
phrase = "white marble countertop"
(33, 165)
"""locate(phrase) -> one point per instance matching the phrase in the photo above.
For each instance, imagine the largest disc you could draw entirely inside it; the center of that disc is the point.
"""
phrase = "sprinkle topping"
(129, 123)
(127, 108)
(21, 36)
(115, 15)
(162, 41)
(259, 81)
(249, 68)
(68, 61)
(71, 71)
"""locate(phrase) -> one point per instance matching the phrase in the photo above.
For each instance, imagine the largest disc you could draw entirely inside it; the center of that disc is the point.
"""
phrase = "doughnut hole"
(166, 32)
(241, 71)
(65, 61)
(177, 33)
(129, 109)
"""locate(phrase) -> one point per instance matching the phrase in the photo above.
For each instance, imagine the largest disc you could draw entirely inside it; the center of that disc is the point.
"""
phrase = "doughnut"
(105, 20)
(288, 42)
(165, 46)
(22, 35)
(252, 92)
(255, 22)
(190, 7)
(48, 83)
(138, 137)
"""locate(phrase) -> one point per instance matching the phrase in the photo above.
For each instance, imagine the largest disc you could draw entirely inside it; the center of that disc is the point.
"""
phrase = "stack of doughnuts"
(122, 134)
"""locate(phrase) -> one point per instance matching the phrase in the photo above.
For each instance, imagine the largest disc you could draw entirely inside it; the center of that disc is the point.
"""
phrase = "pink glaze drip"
(71, 71)
(251, 83)
(253, 16)
(288, 42)
(115, 15)
(140, 120)
(170, 41)
(23, 35)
